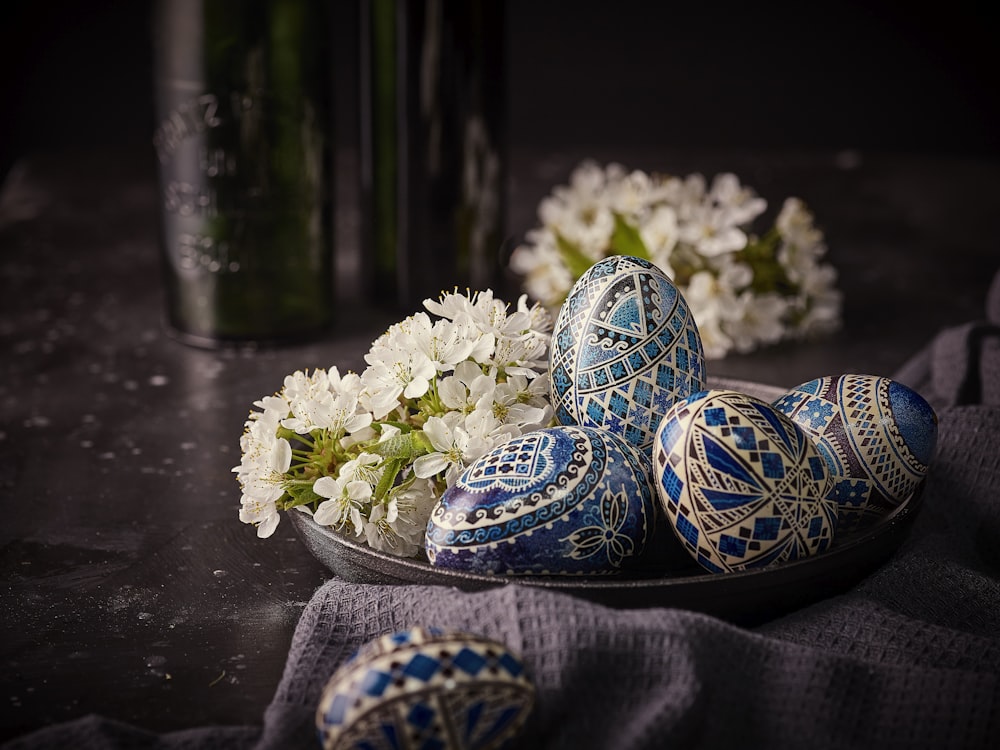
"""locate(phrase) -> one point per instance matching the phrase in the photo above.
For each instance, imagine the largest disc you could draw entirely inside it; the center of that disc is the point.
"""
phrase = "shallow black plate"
(744, 596)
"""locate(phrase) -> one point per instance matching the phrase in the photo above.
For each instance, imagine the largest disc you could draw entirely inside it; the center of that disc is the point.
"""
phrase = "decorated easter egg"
(876, 435)
(741, 484)
(563, 500)
(426, 687)
(624, 348)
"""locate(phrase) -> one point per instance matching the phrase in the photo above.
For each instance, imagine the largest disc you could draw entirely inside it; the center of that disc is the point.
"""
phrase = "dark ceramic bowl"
(744, 597)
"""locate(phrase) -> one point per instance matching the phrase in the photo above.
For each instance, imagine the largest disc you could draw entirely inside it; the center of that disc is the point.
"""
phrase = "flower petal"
(326, 487)
(359, 490)
(281, 456)
(430, 464)
(328, 513)
(268, 525)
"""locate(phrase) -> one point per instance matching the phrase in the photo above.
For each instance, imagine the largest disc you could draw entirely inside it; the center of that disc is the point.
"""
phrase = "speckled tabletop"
(130, 589)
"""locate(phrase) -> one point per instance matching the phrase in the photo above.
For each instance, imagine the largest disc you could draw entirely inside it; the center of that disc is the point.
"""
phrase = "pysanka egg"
(741, 484)
(876, 435)
(562, 500)
(423, 688)
(625, 347)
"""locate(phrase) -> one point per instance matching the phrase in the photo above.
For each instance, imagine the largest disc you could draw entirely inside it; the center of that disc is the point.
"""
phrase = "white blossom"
(795, 224)
(754, 319)
(710, 231)
(630, 195)
(454, 447)
(739, 204)
(347, 493)
(512, 403)
(545, 275)
(463, 390)
(398, 525)
(660, 233)
(701, 236)
(396, 368)
(371, 454)
(261, 474)
(581, 213)
(714, 341)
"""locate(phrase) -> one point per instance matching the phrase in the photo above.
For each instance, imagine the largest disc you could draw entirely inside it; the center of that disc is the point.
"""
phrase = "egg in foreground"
(423, 688)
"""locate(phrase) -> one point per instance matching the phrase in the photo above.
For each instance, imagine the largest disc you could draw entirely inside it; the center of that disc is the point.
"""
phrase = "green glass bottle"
(433, 147)
(244, 148)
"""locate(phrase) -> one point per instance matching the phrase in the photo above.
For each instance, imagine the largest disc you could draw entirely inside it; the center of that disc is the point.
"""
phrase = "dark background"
(96, 571)
(871, 76)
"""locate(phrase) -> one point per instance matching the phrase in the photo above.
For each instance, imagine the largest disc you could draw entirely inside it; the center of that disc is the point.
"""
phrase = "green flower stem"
(290, 435)
(299, 492)
(430, 403)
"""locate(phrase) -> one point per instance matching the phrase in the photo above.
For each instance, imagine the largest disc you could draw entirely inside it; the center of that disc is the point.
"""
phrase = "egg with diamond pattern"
(877, 436)
(742, 485)
(625, 346)
(426, 687)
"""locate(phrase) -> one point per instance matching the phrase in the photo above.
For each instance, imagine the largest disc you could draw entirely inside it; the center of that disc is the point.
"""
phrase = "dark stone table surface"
(130, 588)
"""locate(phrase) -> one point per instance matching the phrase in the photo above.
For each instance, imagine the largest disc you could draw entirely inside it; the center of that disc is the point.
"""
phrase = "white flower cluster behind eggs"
(745, 289)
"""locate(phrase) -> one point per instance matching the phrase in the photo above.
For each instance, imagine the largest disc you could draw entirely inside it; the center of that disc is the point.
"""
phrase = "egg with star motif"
(741, 484)
(559, 501)
(625, 346)
(877, 436)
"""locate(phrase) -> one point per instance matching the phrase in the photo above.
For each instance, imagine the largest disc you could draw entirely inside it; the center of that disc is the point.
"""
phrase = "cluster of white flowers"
(370, 454)
(744, 289)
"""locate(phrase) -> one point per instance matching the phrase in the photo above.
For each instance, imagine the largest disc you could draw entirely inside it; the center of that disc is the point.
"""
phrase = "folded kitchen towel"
(907, 658)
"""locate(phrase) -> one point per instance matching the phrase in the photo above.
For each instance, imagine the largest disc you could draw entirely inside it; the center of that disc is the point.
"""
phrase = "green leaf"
(401, 426)
(301, 494)
(761, 250)
(625, 240)
(576, 262)
(421, 443)
(761, 254)
(388, 479)
(406, 446)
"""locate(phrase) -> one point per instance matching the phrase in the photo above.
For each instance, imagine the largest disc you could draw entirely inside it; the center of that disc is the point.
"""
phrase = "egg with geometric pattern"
(426, 688)
(559, 501)
(625, 346)
(877, 436)
(742, 485)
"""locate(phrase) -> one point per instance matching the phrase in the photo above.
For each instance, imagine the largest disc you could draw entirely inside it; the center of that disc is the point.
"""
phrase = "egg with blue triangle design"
(625, 346)
(741, 484)
(426, 688)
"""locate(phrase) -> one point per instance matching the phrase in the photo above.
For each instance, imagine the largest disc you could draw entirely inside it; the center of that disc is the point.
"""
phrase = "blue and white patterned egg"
(624, 348)
(426, 687)
(741, 484)
(877, 436)
(563, 500)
